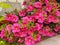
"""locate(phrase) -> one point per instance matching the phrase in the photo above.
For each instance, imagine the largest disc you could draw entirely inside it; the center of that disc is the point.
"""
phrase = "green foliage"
(4, 5)
(58, 4)
(2, 26)
(3, 43)
(2, 18)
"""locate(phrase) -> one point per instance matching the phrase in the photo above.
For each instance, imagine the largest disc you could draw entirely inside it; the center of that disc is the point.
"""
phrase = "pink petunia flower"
(22, 13)
(12, 17)
(29, 8)
(2, 33)
(41, 18)
(37, 38)
(25, 20)
(57, 28)
(38, 4)
(50, 34)
(48, 8)
(31, 31)
(50, 18)
(38, 26)
(32, 18)
(15, 27)
(23, 32)
(8, 28)
(57, 13)
(29, 40)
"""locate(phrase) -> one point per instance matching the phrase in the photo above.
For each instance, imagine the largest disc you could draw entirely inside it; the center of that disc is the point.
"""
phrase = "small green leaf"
(2, 18)
(2, 43)
(2, 26)
(4, 5)
(58, 4)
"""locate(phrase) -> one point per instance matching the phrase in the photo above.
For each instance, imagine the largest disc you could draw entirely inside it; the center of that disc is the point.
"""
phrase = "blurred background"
(14, 3)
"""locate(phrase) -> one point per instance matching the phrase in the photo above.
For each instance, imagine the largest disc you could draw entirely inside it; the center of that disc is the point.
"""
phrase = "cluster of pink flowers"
(38, 20)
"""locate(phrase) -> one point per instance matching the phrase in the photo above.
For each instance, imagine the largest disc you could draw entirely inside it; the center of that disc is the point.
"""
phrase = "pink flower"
(50, 34)
(57, 28)
(50, 18)
(2, 33)
(46, 1)
(47, 28)
(32, 19)
(24, 3)
(21, 40)
(55, 20)
(15, 27)
(25, 20)
(8, 17)
(36, 14)
(38, 4)
(23, 32)
(57, 13)
(29, 40)
(31, 30)
(48, 8)
(38, 26)
(29, 8)
(37, 38)
(12, 17)
(41, 18)
(8, 28)
(21, 13)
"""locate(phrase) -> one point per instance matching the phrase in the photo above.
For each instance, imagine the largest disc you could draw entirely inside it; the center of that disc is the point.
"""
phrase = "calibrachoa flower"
(38, 5)
(48, 8)
(2, 33)
(41, 18)
(58, 13)
(38, 19)
(57, 28)
(29, 8)
(23, 32)
(15, 27)
(29, 40)
(12, 17)
(8, 28)
(21, 13)
(37, 38)
(38, 26)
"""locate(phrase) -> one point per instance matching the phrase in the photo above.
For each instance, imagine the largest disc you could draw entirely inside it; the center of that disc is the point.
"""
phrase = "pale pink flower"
(21, 40)
(2, 33)
(8, 28)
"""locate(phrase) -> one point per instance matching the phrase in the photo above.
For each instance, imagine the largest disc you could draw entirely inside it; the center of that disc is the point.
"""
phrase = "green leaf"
(2, 18)
(4, 5)
(14, 43)
(2, 43)
(58, 4)
(2, 26)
